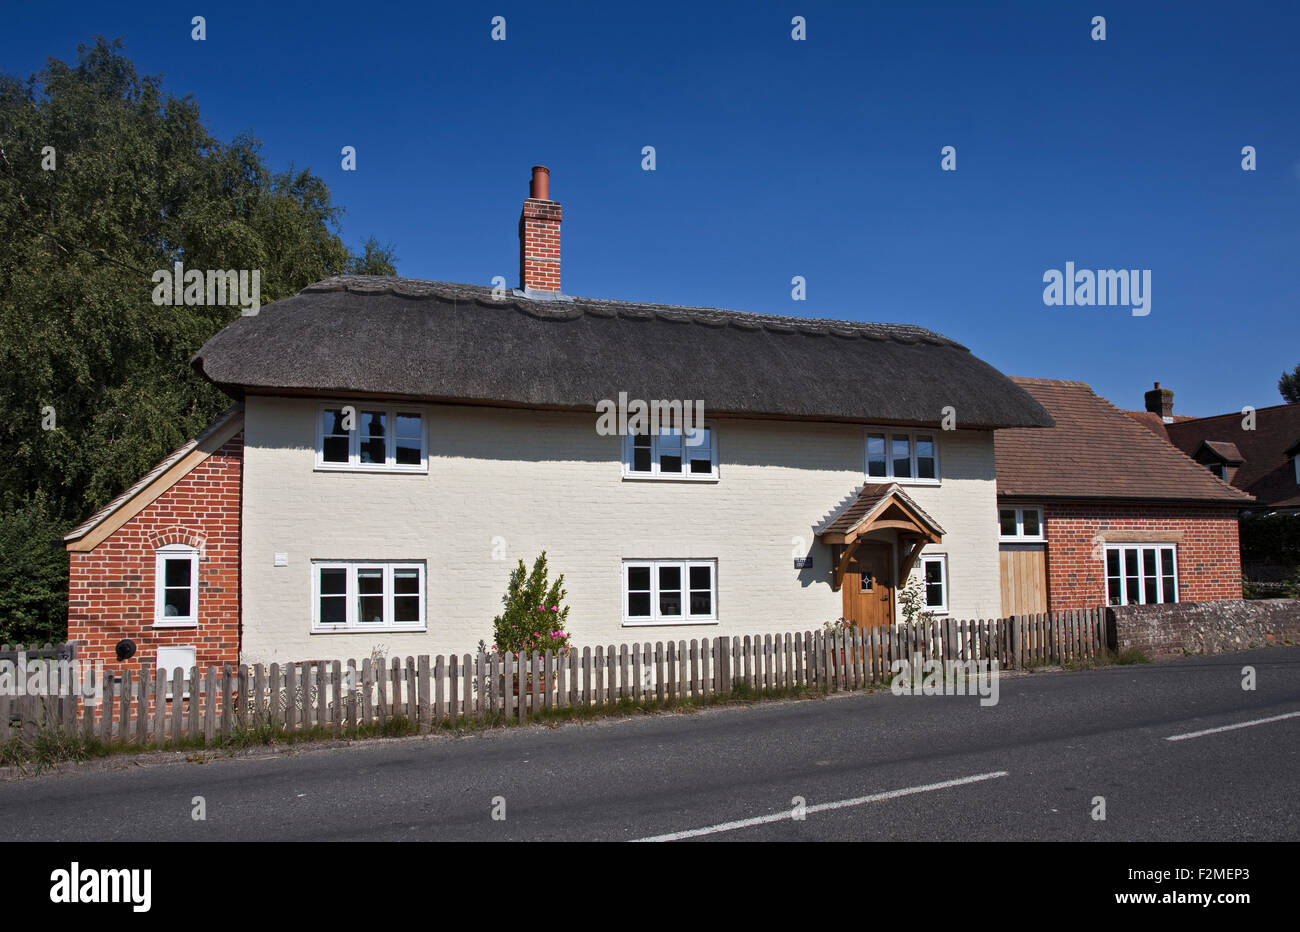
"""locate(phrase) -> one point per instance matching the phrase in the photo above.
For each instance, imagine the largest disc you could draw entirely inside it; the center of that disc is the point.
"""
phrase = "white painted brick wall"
(546, 480)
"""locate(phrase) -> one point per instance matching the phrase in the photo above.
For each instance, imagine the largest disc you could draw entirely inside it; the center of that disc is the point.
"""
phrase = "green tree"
(535, 614)
(1289, 386)
(105, 178)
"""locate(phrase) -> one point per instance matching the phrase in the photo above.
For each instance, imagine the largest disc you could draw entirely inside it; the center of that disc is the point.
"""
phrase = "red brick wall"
(111, 588)
(539, 245)
(1209, 555)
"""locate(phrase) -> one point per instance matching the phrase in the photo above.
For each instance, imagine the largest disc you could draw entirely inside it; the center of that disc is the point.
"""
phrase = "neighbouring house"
(1257, 451)
(1100, 511)
(401, 444)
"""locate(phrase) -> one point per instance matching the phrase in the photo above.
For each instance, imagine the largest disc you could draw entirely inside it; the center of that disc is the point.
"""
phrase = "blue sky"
(778, 158)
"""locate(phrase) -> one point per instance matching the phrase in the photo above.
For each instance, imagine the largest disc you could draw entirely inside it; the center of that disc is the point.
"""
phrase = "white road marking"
(824, 807)
(1215, 731)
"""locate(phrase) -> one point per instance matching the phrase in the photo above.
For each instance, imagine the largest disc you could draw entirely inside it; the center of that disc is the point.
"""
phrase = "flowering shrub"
(535, 616)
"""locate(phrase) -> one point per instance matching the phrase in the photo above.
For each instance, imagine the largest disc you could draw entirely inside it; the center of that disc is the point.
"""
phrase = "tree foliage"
(137, 184)
(1289, 386)
(535, 614)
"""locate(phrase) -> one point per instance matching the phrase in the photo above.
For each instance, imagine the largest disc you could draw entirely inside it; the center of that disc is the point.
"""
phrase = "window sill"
(1022, 540)
(882, 479)
(633, 477)
(393, 470)
(176, 624)
(668, 624)
(380, 629)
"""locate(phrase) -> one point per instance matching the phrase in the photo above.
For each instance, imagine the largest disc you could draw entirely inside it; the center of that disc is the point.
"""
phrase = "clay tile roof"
(867, 500)
(1096, 451)
(441, 341)
(1267, 471)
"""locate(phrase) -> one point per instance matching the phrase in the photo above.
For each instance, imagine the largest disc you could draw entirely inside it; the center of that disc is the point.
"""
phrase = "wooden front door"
(869, 587)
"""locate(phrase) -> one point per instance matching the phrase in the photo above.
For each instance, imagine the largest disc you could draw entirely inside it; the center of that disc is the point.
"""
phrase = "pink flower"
(555, 608)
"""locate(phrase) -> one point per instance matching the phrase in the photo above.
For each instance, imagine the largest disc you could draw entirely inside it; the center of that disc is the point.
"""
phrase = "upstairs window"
(176, 586)
(904, 456)
(363, 437)
(671, 454)
(1020, 524)
(1219, 470)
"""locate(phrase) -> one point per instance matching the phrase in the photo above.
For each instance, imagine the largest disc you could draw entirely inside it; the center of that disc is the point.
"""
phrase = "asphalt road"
(1035, 762)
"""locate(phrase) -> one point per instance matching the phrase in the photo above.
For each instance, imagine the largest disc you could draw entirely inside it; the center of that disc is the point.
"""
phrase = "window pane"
(925, 458)
(176, 602)
(876, 455)
(335, 447)
(406, 582)
(333, 581)
(933, 583)
(1132, 581)
(335, 450)
(373, 431)
(370, 595)
(701, 577)
(1113, 590)
(1170, 584)
(638, 578)
(177, 572)
(1030, 520)
(699, 450)
(1151, 591)
(406, 608)
(638, 604)
(1112, 563)
(641, 453)
(670, 590)
(902, 455)
(670, 452)
(333, 610)
(408, 426)
(408, 452)
(1007, 522)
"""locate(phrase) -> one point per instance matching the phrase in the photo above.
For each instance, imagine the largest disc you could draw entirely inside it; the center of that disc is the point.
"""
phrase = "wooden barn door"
(1024, 580)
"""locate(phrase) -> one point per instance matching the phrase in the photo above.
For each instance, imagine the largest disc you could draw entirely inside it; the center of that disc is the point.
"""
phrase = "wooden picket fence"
(337, 696)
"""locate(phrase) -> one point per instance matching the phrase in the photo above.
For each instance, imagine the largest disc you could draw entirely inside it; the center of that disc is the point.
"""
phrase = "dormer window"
(1219, 470)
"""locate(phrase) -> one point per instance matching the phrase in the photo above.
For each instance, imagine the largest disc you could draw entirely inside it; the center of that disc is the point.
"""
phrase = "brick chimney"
(539, 236)
(1161, 401)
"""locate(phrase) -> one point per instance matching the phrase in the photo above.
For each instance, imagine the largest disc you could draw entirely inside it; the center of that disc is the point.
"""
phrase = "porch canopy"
(878, 507)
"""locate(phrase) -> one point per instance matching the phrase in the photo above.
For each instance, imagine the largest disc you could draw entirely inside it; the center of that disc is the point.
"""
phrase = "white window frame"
(912, 435)
(655, 619)
(942, 560)
(390, 463)
(169, 669)
(1296, 461)
(1020, 536)
(161, 556)
(1120, 547)
(351, 625)
(629, 441)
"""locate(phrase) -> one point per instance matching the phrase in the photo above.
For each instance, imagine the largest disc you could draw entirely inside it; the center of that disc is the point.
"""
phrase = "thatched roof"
(449, 342)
